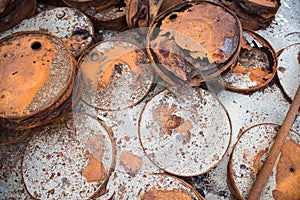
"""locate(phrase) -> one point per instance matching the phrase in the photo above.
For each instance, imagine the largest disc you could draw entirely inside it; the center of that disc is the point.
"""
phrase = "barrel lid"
(36, 70)
(185, 132)
(70, 159)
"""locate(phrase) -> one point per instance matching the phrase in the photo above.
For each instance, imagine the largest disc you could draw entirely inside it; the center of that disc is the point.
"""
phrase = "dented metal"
(193, 42)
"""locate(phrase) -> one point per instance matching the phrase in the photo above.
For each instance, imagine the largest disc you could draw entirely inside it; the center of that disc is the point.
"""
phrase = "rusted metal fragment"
(115, 75)
(95, 5)
(256, 65)
(192, 145)
(185, 46)
(111, 18)
(35, 78)
(60, 161)
(250, 152)
(140, 13)
(254, 15)
(165, 195)
(288, 172)
(289, 69)
(22, 9)
(69, 24)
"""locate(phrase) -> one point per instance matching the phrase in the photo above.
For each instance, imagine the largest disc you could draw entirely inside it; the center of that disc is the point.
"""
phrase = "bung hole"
(292, 169)
(36, 45)
(172, 17)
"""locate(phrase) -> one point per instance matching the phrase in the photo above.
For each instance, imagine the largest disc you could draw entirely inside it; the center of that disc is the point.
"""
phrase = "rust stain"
(173, 122)
(95, 170)
(131, 161)
(25, 67)
(288, 172)
(257, 162)
(153, 193)
(208, 35)
(100, 68)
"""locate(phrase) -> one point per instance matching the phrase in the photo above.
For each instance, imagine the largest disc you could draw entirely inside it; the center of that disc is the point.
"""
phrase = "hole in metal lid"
(94, 56)
(36, 45)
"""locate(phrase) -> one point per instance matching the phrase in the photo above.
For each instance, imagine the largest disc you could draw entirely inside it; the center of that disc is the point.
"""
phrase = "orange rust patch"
(288, 172)
(95, 170)
(257, 162)
(164, 195)
(131, 161)
(259, 75)
(99, 69)
(266, 3)
(208, 34)
(25, 67)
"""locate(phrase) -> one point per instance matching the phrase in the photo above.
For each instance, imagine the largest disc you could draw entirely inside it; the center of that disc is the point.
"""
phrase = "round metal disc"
(36, 70)
(248, 155)
(185, 132)
(8, 136)
(69, 160)
(115, 75)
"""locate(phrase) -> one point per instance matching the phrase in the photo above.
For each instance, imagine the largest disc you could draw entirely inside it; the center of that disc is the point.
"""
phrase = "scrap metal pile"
(144, 99)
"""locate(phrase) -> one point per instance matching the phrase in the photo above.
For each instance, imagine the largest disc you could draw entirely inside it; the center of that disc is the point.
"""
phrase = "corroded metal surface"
(184, 128)
(193, 42)
(289, 69)
(253, 14)
(256, 66)
(69, 24)
(250, 152)
(35, 78)
(265, 105)
(70, 159)
(155, 186)
(115, 75)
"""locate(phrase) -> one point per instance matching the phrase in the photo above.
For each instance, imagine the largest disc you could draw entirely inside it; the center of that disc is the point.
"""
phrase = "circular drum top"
(71, 159)
(249, 154)
(194, 41)
(185, 132)
(115, 75)
(35, 71)
(289, 69)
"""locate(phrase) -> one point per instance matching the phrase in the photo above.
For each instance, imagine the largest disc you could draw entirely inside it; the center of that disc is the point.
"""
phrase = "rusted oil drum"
(249, 154)
(193, 42)
(115, 75)
(69, 24)
(37, 79)
(256, 65)
(254, 14)
(15, 12)
(70, 159)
